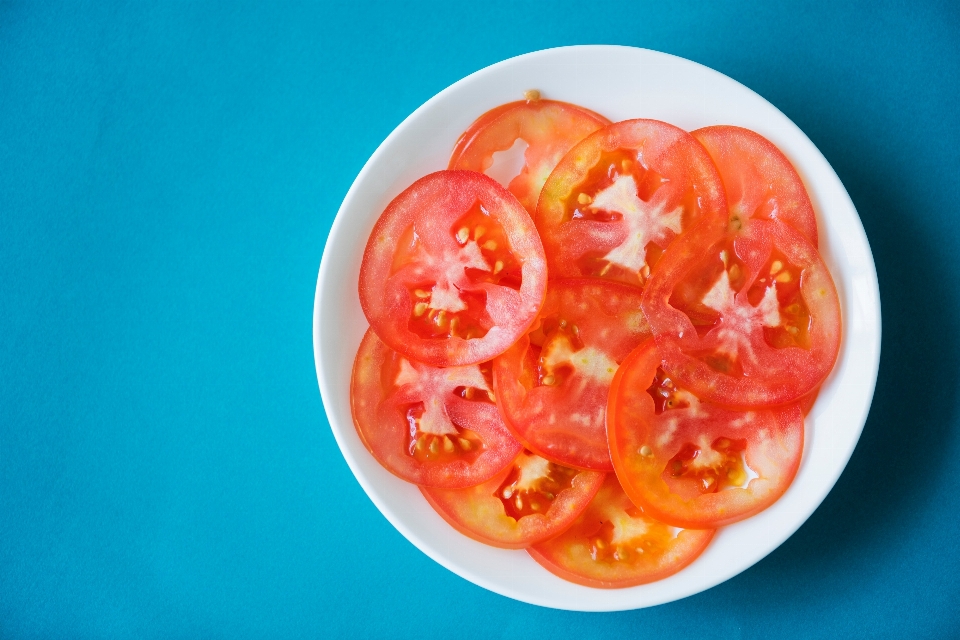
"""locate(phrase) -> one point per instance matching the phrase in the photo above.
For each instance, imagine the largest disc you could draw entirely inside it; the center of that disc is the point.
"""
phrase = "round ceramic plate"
(620, 83)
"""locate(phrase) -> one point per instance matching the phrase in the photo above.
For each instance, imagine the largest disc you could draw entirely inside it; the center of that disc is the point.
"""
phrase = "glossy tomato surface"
(759, 180)
(552, 385)
(618, 199)
(748, 317)
(616, 544)
(428, 425)
(544, 130)
(690, 463)
(531, 500)
(453, 272)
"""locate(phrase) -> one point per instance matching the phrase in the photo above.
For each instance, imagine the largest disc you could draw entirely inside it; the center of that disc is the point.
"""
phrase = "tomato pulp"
(544, 129)
(431, 426)
(552, 384)
(758, 179)
(748, 317)
(618, 199)
(690, 463)
(615, 544)
(453, 272)
(531, 500)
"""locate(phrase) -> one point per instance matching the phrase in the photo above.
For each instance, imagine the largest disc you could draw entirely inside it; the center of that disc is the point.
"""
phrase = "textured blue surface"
(168, 176)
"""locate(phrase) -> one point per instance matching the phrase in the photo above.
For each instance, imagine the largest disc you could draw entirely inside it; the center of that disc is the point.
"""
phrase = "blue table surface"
(168, 176)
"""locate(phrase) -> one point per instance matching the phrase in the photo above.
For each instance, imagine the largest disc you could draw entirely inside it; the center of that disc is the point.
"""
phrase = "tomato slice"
(691, 463)
(431, 426)
(453, 272)
(531, 500)
(750, 317)
(543, 129)
(616, 544)
(619, 198)
(759, 180)
(552, 385)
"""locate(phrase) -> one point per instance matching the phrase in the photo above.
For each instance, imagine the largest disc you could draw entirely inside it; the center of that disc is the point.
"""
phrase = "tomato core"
(654, 541)
(532, 485)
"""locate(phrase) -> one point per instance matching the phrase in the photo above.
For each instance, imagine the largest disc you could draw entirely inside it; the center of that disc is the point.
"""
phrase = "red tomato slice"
(548, 129)
(619, 198)
(531, 500)
(453, 272)
(759, 180)
(615, 544)
(694, 464)
(748, 318)
(430, 426)
(552, 385)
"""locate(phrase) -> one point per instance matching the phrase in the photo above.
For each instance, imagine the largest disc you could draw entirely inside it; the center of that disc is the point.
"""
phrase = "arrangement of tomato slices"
(595, 341)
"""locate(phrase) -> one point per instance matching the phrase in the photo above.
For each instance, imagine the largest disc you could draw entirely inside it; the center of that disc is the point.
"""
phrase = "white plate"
(620, 83)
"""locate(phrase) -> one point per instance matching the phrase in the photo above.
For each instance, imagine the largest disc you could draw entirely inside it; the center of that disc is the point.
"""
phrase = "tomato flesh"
(748, 317)
(453, 272)
(428, 425)
(553, 383)
(548, 128)
(615, 544)
(758, 178)
(531, 500)
(619, 198)
(694, 464)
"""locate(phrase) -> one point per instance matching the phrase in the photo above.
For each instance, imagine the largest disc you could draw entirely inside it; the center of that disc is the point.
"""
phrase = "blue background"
(168, 177)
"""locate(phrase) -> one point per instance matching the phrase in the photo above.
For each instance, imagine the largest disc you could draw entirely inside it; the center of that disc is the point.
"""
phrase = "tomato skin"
(479, 514)
(771, 375)
(385, 386)
(570, 554)
(648, 447)
(557, 408)
(550, 128)
(759, 180)
(621, 196)
(428, 212)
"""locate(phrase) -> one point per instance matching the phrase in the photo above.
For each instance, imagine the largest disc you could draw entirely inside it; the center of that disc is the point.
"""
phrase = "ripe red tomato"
(616, 544)
(548, 129)
(759, 180)
(694, 464)
(431, 426)
(619, 198)
(531, 500)
(552, 384)
(453, 272)
(746, 318)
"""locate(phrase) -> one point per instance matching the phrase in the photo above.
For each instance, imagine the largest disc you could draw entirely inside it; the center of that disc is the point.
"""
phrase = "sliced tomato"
(453, 272)
(759, 180)
(616, 544)
(618, 199)
(531, 500)
(691, 463)
(431, 426)
(552, 385)
(543, 129)
(749, 317)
